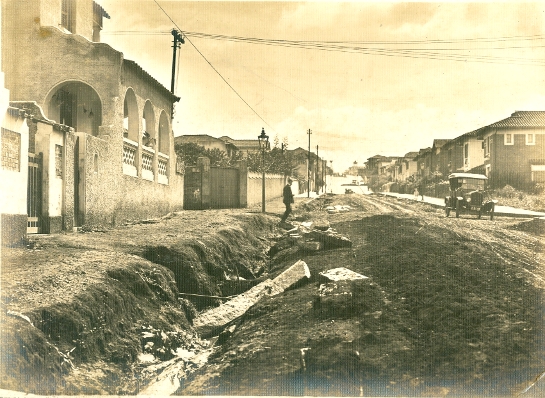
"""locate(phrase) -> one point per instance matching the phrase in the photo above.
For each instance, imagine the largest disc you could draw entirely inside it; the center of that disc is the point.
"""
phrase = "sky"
(367, 78)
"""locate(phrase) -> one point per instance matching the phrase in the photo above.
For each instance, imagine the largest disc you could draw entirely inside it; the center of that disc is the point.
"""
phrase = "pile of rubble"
(310, 236)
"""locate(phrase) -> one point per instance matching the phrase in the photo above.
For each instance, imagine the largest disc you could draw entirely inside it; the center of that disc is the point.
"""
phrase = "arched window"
(163, 146)
(164, 134)
(130, 133)
(149, 137)
(130, 116)
(149, 141)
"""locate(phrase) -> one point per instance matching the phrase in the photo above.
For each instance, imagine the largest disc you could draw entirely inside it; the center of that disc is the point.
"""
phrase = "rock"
(310, 246)
(321, 225)
(330, 240)
(293, 275)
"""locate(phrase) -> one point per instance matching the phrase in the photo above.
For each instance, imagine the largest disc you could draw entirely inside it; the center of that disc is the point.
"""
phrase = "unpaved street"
(452, 306)
(462, 312)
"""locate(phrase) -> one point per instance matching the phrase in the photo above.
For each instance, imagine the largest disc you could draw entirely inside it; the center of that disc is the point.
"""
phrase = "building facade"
(112, 150)
(514, 149)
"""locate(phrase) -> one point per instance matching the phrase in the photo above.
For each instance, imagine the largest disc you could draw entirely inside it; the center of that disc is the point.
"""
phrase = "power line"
(433, 53)
(212, 66)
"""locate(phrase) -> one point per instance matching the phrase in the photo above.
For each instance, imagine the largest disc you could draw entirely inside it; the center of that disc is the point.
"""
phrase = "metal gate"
(224, 188)
(34, 193)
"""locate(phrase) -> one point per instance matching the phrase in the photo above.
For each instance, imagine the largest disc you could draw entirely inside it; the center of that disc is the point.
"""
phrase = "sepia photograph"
(272, 198)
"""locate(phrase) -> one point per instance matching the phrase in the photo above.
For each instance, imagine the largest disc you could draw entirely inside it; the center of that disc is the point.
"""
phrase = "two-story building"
(514, 149)
(111, 156)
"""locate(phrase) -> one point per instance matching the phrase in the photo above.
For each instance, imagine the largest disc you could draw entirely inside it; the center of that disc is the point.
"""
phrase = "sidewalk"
(503, 211)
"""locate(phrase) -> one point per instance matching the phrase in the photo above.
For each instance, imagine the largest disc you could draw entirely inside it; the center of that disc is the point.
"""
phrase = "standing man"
(288, 200)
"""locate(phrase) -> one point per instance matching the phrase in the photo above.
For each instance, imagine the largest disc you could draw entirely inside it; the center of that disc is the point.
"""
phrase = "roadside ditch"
(132, 320)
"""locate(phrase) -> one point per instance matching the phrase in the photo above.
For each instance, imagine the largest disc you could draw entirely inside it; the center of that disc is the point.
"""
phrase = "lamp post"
(263, 145)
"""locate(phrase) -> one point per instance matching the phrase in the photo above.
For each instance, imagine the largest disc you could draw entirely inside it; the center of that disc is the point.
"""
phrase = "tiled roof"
(411, 155)
(522, 119)
(439, 142)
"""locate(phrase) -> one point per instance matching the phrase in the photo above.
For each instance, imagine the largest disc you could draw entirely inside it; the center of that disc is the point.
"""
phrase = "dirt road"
(453, 306)
(462, 312)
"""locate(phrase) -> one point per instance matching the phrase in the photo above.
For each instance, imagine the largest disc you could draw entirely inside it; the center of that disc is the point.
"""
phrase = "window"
(530, 139)
(466, 154)
(508, 139)
(67, 15)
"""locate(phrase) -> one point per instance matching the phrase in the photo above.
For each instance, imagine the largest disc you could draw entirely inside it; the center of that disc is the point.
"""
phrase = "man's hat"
(290, 180)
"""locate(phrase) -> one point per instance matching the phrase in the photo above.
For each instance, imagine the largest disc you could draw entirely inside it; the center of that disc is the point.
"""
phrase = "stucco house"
(99, 122)
(514, 149)
(208, 142)
(244, 147)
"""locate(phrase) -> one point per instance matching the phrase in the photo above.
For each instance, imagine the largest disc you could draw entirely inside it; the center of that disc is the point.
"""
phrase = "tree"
(189, 152)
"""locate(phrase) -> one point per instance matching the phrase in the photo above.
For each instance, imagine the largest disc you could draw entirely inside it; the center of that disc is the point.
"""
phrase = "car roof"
(468, 175)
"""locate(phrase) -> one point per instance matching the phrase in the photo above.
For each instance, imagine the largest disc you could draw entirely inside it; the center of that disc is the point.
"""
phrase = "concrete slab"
(211, 322)
(340, 274)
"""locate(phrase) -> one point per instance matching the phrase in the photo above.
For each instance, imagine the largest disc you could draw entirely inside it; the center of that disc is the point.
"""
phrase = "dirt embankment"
(81, 313)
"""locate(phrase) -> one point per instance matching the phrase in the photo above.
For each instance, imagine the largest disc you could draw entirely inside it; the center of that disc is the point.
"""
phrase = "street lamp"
(263, 145)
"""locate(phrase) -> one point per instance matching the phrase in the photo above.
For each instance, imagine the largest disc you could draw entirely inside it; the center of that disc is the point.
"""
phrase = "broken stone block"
(294, 274)
(329, 239)
(321, 225)
(283, 244)
(211, 322)
(339, 274)
(310, 246)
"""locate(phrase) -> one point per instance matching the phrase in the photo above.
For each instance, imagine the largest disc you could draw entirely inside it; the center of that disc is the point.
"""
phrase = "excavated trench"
(119, 333)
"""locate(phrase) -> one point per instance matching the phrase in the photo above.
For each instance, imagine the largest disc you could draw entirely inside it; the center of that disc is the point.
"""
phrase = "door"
(34, 193)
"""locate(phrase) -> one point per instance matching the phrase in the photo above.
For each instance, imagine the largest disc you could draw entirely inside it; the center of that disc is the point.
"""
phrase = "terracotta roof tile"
(522, 119)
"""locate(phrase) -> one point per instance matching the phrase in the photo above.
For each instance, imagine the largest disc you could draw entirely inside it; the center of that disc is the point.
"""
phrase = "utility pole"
(308, 164)
(177, 41)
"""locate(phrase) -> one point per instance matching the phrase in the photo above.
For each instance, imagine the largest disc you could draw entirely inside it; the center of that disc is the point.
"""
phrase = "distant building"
(423, 163)
(244, 147)
(208, 142)
(439, 161)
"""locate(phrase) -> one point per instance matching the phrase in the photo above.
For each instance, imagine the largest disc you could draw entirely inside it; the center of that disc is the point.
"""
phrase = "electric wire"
(433, 53)
(212, 66)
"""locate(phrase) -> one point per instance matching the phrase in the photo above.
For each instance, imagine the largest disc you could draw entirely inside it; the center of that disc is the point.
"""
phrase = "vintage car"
(468, 195)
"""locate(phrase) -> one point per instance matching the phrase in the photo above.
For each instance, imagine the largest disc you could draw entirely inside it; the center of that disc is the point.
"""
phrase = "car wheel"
(447, 211)
(457, 209)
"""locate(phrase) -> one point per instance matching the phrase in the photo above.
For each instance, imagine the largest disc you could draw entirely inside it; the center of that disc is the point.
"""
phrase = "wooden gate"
(193, 188)
(224, 188)
(34, 193)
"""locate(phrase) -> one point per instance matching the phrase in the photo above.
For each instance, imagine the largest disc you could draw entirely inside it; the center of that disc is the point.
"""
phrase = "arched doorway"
(77, 105)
